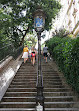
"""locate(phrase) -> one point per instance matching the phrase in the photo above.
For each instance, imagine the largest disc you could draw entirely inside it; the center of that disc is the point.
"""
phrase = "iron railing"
(39, 85)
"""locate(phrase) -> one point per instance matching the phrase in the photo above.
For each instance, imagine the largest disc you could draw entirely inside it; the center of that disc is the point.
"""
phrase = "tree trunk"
(24, 36)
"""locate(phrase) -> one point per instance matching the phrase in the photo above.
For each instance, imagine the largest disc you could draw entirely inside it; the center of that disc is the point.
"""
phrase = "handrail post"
(39, 97)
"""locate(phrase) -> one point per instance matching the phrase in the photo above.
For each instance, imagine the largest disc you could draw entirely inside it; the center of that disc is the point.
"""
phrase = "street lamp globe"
(39, 20)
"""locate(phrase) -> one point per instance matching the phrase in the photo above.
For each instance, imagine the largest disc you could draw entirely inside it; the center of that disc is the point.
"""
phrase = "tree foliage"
(16, 17)
(65, 52)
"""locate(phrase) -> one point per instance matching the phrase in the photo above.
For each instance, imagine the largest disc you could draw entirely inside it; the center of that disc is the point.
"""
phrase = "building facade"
(69, 16)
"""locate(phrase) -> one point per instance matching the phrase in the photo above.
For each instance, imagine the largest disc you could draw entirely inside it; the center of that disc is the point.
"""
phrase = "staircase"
(58, 97)
(20, 96)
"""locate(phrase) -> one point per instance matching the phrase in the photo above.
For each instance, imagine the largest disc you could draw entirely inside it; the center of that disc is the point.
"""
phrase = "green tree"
(17, 17)
(30, 40)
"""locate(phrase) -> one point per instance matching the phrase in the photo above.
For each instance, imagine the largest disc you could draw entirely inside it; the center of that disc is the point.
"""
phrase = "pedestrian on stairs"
(45, 51)
(33, 55)
(25, 53)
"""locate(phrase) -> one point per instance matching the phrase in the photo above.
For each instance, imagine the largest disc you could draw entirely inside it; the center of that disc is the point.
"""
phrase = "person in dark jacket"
(45, 51)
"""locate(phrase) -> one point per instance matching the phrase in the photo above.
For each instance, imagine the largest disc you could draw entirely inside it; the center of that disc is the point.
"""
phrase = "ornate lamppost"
(39, 22)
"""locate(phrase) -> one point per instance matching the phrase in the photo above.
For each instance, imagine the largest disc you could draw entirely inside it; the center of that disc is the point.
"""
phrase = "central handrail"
(39, 84)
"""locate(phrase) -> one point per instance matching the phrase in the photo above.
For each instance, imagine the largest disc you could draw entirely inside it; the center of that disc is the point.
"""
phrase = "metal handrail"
(39, 84)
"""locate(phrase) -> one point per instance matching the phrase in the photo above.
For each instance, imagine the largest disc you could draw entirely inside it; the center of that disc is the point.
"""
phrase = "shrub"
(66, 53)
(53, 42)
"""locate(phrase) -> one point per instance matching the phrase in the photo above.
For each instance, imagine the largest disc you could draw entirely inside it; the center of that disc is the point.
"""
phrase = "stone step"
(47, 75)
(33, 109)
(57, 94)
(32, 77)
(52, 80)
(33, 85)
(59, 104)
(59, 98)
(56, 89)
(32, 99)
(28, 67)
(32, 104)
(34, 89)
(49, 71)
(34, 93)
(61, 109)
(23, 72)
(29, 81)
(34, 72)
(18, 104)
(46, 70)
(45, 80)
(21, 89)
(26, 70)
(53, 83)
(51, 77)
(26, 77)
(20, 94)
(23, 86)
(23, 79)
(24, 82)
(23, 94)
(17, 109)
(34, 82)
(54, 86)
(19, 99)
